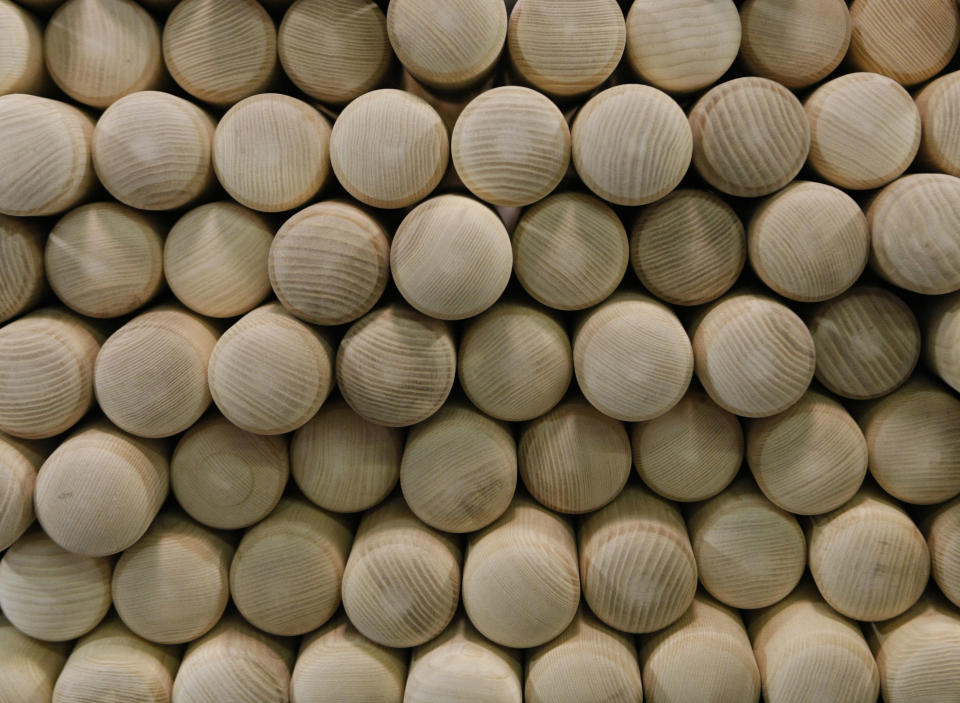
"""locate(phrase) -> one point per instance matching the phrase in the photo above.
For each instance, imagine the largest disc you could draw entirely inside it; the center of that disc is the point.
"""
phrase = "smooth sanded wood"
(942, 339)
(215, 259)
(939, 106)
(46, 149)
(151, 374)
(864, 130)
(46, 372)
(941, 526)
(511, 146)
(631, 144)
(28, 667)
(682, 46)
(459, 469)
(637, 566)
(19, 462)
(750, 136)
(574, 459)
(868, 559)
(51, 594)
(447, 44)
(570, 251)
(285, 575)
(632, 357)
(688, 248)
(587, 661)
(750, 553)
(337, 662)
(691, 452)
(395, 366)
(101, 471)
(754, 356)
(225, 477)
(868, 342)
(21, 64)
(809, 459)
(22, 281)
(794, 43)
(401, 586)
(565, 48)
(451, 257)
(220, 51)
(402, 174)
(334, 50)
(808, 242)
(105, 259)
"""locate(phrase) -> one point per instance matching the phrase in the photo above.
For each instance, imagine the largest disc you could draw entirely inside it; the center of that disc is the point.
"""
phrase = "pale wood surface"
(942, 339)
(28, 667)
(939, 106)
(449, 105)
(19, 462)
(942, 529)
(22, 281)
(21, 62)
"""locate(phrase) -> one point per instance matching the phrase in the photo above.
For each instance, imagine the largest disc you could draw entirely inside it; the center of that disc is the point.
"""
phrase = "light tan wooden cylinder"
(215, 259)
(942, 529)
(270, 372)
(51, 594)
(28, 667)
(749, 552)
(753, 355)
(337, 662)
(807, 651)
(152, 151)
(237, 662)
(942, 340)
(395, 366)
(105, 259)
(101, 471)
(637, 566)
(46, 149)
(286, 572)
(779, 136)
(22, 281)
(868, 559)
(939, 103)
(225, 477)
(21, 67)
(515, 361)
(46, 372)
(586, 662)
(809, 459)
(151, 374)
(19, 462)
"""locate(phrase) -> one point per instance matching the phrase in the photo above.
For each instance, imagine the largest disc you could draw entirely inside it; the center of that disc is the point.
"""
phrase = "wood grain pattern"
(46, 372)
(750, 136)
(286, 572)
(105, 259)
(586, 662)
(566, 48)
(401, 586)
(796, 44)
(329, 263)
(637, 566)
(451, 257)
(941, 527)
(632, 357)
(909, 41)
(221, 51)
(406, 159)
(395, 366)
(750, 553)
(151, 374)
(21, 61)
(215, 259)
(868, 559)
(334, 50)
(152, 150)
(913, 224)
(682, 46)
(19, 462)
(570, 251)
(574, 459)
(521, 584)
(691, 452)
(51, 594)
(46, 146)
(270, 372)
(809, 459)
(939, 106)
(511, 146)
(688, 248)
(22, 281)
(28, 667)
(459, 469)
(942, 339)
(867, 340)
(809, 242)
(100, 470)
(631, 144)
